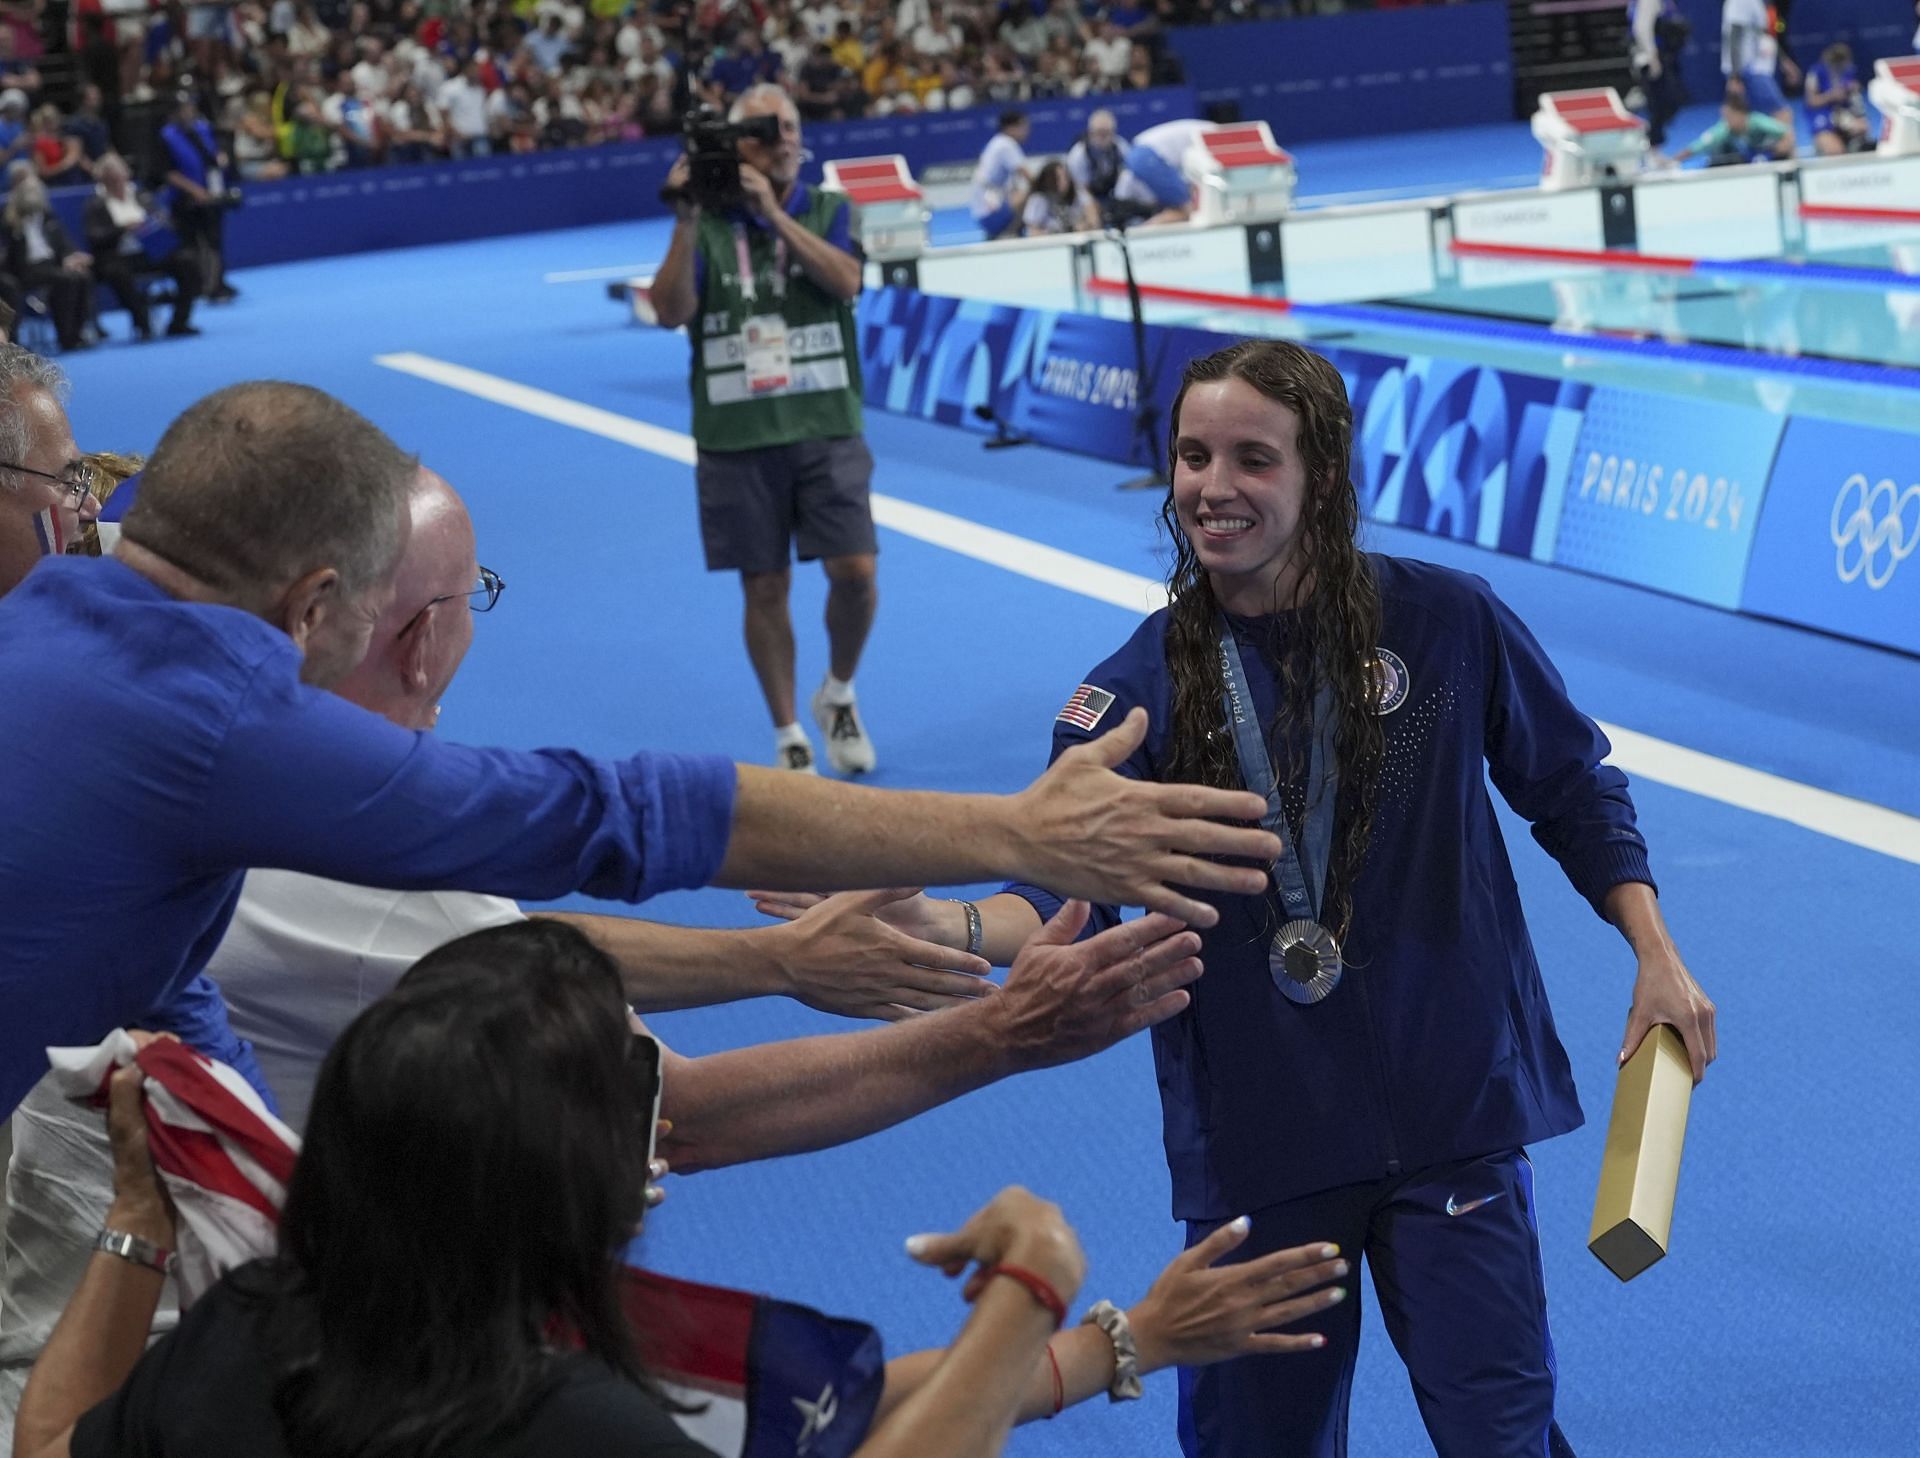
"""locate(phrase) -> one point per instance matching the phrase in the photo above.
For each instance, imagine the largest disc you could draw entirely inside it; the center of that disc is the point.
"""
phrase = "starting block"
(889, 213)
(1240, 174)
(1588, 137)
(1895, 93)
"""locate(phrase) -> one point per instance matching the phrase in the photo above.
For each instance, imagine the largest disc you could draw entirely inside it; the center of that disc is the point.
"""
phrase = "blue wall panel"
(1358, 74)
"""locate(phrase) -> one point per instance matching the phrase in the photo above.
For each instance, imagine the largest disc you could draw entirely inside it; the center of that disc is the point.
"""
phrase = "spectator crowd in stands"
(317, 85)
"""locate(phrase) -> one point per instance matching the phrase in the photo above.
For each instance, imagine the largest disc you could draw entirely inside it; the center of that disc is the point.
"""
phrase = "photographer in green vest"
(763, 274)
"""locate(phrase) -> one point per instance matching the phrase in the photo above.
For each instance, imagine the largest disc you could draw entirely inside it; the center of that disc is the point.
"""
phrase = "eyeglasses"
(486, 592)
(76, 480)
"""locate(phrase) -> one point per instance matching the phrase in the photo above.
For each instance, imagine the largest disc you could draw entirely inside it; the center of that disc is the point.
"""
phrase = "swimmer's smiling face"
(1240, 491)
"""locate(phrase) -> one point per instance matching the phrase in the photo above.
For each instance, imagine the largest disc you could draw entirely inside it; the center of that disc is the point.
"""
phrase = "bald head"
(419, 641)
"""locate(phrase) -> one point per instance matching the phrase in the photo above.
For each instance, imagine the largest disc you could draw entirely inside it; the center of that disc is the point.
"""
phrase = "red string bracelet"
(1039, 1286)
(1059, 1387)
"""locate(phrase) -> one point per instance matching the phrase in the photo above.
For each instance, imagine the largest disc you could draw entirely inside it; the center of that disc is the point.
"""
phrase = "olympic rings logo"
(1869, 518)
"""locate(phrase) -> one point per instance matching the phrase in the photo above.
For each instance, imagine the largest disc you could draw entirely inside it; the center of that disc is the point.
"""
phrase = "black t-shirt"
(206, 1390)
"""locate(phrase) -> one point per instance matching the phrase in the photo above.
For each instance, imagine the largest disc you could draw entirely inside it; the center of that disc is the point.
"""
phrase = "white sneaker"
(797, 757)
(849, 750)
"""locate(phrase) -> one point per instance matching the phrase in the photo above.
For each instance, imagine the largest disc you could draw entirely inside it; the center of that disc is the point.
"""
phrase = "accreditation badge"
(769, 359)
(1305, 961)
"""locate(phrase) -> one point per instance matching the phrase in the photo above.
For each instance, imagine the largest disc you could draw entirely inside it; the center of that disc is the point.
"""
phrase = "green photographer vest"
(739, 403)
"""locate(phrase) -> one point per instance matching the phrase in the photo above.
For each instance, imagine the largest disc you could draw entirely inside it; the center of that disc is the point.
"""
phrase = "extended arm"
(839, 958)
(1197, 1312)
(1080, 830)
(428, 814)
(1063, 999)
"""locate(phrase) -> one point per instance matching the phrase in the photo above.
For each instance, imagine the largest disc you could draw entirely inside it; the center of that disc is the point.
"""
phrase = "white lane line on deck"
(584, 275)
(1840, 817)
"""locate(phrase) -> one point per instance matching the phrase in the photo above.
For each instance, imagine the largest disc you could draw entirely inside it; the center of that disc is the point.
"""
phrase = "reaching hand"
(1014, 1227)
(914, 913)
(843, 957)
(1097, 835)
(1198, 1311)
(1065, 1000)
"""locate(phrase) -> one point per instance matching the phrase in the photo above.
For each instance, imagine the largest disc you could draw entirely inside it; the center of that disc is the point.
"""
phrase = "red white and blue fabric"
(46, 530)
(772, 1380)
(223, 1157)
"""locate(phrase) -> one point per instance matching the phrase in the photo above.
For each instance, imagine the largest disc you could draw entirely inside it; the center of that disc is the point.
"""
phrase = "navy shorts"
(1455, 1256)
(757, 507)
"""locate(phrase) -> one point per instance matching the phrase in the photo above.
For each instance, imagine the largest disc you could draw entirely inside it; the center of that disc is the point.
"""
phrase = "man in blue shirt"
(548, 45)
(197, 173)
(744, 64)
(200, 654)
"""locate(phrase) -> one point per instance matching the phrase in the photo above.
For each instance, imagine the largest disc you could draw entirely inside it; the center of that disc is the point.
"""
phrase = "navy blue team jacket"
(1438, 1043)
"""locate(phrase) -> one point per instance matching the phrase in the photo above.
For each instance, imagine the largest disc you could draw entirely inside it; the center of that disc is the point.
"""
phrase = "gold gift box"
(1633, 1213)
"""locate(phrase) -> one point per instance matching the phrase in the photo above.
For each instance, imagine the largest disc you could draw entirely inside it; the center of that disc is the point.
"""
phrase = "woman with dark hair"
(448, 1274)
(1054, 205)
(466, 1186)
(1370, 1049)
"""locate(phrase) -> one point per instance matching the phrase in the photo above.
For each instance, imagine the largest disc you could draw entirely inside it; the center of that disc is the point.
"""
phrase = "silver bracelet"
(1126, 1357)
(976, 931)
(133, 1248)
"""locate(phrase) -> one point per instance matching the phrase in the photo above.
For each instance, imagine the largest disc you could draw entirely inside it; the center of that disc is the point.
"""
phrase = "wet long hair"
(1332, 617)
(472, 1169)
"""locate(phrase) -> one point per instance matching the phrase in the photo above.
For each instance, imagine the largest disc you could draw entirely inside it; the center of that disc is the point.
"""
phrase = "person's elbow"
(672, 309)
(846, 281)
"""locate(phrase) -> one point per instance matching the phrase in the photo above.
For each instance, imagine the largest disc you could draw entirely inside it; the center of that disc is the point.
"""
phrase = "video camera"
(713, 156)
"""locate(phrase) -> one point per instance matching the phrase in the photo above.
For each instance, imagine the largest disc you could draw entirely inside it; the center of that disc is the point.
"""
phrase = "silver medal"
(1305, 961)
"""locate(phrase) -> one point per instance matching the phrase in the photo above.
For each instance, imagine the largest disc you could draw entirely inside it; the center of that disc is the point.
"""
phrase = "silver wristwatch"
(1126, 1357)
(133, 1248)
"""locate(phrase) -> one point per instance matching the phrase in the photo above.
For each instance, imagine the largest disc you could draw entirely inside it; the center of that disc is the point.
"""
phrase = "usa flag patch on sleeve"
(1085, 708)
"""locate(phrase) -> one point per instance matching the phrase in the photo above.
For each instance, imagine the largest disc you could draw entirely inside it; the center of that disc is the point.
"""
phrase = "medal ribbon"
(749, 289)
(1300, 895)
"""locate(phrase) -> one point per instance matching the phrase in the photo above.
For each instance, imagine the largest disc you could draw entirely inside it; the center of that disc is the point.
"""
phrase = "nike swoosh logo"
(1455, 1208)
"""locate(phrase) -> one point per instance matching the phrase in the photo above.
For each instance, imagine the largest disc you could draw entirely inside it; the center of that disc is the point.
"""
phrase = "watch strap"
(976, 930)
(136, 1250)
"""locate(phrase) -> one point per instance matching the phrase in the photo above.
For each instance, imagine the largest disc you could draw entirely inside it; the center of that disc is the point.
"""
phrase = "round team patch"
(1391, 674)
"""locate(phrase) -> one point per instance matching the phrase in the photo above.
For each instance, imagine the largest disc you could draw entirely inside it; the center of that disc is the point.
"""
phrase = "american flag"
(1084, 709)
(770, 1379)
(223, 1157)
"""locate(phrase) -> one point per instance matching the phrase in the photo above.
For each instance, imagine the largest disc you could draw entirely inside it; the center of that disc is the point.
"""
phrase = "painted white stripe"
(584, 275)
(1857, 822)
(956, 534)
(557, 408)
